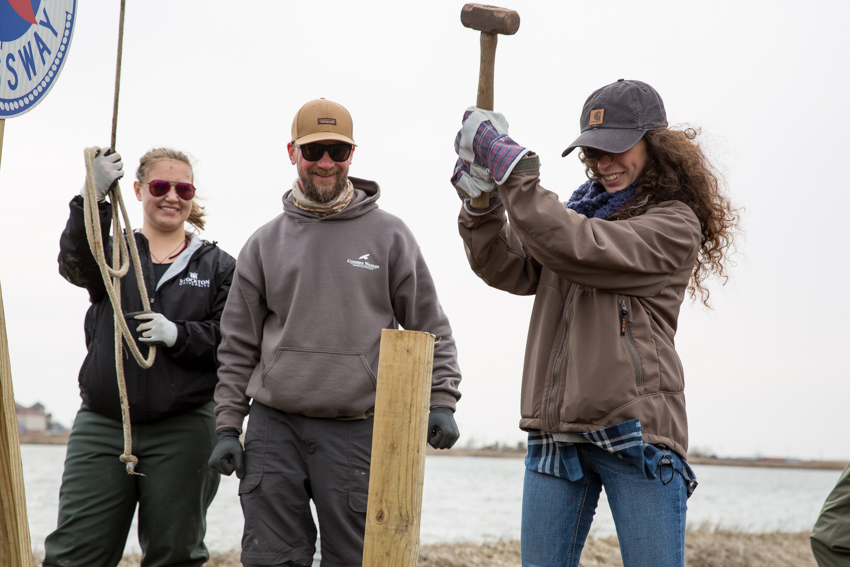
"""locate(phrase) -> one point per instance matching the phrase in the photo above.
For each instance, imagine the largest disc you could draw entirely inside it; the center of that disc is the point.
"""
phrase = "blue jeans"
(649, 514)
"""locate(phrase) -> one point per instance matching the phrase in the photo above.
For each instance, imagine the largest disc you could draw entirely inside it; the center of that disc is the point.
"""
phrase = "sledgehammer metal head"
(490, 19)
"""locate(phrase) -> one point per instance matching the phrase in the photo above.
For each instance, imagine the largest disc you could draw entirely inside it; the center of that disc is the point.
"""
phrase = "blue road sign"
(35, 36)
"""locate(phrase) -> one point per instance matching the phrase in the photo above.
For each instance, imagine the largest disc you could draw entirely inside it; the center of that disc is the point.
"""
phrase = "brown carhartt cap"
(320, 120)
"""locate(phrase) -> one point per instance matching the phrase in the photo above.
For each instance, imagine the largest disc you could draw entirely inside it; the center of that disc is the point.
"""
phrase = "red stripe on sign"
(24, 10)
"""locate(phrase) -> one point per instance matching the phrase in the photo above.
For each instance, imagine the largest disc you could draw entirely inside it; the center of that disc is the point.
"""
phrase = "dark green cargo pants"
(831, 534)
(98, 498)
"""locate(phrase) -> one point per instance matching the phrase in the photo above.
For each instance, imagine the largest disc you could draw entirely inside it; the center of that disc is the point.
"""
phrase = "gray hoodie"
(302, 326)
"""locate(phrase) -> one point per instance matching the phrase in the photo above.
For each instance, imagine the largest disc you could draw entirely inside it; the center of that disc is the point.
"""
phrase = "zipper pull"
(623, 312)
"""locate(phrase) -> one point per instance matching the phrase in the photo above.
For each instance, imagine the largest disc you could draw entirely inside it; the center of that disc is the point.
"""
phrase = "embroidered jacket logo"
(194, 281)
(363, 263)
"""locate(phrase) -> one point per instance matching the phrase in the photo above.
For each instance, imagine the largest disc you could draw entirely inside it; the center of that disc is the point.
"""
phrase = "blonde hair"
(196, 217)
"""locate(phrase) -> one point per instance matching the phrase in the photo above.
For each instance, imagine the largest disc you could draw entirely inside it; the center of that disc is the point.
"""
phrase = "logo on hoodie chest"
(363, 262)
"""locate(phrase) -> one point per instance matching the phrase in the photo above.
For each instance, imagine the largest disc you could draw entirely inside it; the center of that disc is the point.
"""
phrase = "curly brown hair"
(678, 170)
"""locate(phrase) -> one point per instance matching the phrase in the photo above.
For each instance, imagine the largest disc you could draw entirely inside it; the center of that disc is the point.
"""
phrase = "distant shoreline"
(43, 439)
(765, 462)
(62, 439)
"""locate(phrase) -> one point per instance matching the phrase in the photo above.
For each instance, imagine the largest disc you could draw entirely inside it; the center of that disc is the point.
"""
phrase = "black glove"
(228, 454)
(442, 429)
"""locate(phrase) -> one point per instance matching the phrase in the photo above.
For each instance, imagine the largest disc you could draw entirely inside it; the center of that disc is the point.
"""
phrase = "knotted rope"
(120, 263)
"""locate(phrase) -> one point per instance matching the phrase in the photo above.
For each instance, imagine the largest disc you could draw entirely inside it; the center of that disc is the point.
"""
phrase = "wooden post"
(398, 449)
(15, 545)
(2, 129)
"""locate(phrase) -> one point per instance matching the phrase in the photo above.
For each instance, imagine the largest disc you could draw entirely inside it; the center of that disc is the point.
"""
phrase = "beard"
(320, 194)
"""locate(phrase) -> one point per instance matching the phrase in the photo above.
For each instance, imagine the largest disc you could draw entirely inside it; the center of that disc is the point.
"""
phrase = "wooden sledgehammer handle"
(486, 70)
(485, 92)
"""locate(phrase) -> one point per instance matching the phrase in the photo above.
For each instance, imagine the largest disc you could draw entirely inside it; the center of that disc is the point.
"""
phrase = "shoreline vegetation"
(704, 547)
(519, 453)
(770, 462)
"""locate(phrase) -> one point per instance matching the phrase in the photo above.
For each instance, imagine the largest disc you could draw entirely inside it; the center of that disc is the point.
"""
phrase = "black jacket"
(182, 377)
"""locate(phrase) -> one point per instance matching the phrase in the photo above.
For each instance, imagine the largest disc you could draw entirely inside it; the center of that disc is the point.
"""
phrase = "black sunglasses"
(160, 188)
(315, 151)
(593, 153)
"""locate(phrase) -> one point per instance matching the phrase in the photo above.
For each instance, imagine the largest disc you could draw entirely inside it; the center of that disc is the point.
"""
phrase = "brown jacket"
(600, 347)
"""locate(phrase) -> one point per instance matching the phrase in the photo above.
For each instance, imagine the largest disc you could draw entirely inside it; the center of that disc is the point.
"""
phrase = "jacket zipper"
(559, 360)
(627, 337)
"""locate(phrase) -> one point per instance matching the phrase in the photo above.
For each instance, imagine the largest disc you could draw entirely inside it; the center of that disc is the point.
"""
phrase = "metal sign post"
(35, 36)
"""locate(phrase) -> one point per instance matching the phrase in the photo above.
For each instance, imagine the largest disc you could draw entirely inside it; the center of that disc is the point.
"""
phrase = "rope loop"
(120, 255)
(121, 258)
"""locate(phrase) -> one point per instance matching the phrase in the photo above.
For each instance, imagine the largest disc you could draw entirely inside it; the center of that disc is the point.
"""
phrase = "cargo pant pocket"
(249, 483)
(359, 459)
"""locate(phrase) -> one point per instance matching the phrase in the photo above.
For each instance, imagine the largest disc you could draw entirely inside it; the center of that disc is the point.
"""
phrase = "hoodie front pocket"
(319, 382)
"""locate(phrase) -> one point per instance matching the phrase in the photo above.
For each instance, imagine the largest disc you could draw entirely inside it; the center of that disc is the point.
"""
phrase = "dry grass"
(725, 548)
(704, 547)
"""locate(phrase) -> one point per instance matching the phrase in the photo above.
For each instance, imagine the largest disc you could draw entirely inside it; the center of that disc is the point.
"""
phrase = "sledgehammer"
(489, 20)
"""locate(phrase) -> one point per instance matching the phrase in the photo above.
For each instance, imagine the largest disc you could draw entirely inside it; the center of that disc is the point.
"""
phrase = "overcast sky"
(767, 82)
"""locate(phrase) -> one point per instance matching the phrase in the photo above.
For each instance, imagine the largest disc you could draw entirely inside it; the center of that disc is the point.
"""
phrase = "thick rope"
(112, 282)
(117, 76)
(118, 269)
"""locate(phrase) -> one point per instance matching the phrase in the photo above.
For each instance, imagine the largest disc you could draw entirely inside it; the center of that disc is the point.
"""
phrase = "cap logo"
(328, 121)
(596, 116)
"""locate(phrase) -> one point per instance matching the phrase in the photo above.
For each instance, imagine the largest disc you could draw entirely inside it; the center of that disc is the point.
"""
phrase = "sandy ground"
(703, 548)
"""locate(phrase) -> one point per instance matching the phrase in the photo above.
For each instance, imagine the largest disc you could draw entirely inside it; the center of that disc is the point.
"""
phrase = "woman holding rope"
(603, 388)
(171, 407)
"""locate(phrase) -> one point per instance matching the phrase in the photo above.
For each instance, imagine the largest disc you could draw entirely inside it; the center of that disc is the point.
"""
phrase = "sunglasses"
(593, 153)
(315, 152)
(160, 188)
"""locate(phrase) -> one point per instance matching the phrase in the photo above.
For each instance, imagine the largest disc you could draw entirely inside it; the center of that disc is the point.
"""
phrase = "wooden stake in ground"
(15, 546)
(398, 449)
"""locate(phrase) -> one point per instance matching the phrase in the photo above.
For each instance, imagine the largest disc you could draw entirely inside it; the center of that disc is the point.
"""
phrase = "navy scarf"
(593, 201)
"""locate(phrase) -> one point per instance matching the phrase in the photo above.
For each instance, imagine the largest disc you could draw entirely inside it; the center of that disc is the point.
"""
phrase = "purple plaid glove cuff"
(493, 151)
(495, 201)
(504, 153)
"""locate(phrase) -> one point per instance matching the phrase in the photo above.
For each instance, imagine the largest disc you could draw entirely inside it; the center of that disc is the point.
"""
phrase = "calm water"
(479, 498)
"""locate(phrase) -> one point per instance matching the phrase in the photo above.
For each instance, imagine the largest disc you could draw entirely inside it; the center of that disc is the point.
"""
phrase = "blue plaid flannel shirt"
(625, 440)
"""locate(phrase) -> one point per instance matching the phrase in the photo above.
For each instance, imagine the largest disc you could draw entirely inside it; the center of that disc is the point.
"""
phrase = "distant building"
(34, 419)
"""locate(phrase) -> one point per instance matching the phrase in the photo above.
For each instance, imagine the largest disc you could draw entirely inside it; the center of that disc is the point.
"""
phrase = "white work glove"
(106, 170)
(158, 331)
(471, 179)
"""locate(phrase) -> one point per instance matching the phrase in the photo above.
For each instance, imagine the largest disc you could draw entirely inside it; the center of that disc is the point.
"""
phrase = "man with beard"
(301, 330)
